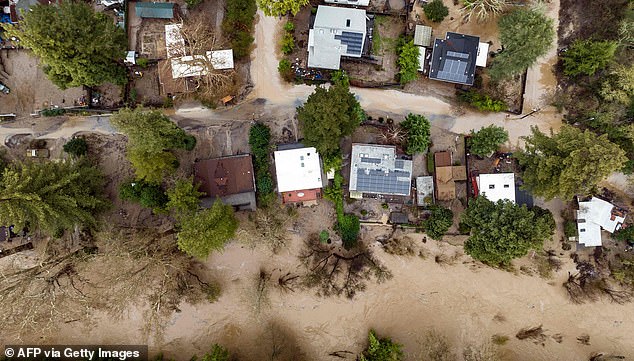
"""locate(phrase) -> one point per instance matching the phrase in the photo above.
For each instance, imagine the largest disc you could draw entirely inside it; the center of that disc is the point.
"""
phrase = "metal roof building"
(376, 169)
(154, 10)
(592, 216)
(422, 35)
(497, 186)
(350, 2)
(337, 32)
(454, 58)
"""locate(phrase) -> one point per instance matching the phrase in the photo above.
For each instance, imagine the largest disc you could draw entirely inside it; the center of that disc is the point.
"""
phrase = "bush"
(487, 140)
(149, 195)
(625, 234)
(289, 27)
(76, 147)
(53, 112)
(260, 143)
(193, 3)
(439, 222)
(481, 101)
(570, 228)
(238, 24)
(349, 228)
(287, 43)
(189, 142)
(142, 62)
(418, 133)
(407, 60)
(585, 57)
(436, 11)
(285, 70)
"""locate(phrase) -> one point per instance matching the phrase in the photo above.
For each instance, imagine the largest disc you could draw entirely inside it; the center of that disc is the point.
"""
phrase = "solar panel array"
(376, 181)
(399, 164)
(354, 41)
(458, 55)
(453, 70)
(370, 160)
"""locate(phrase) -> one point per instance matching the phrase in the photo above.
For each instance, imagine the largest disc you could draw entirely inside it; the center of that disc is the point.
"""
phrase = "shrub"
(142, 62)
(193, 3)
(349, 228)
(76, 147)
(481, 101)
(585, 57)
(625, 234)
(418, 133)
(285, 70)
(53, 112)
(189, 142)
(439, 222)
(407, 61)
(149, 195)
(287, 43)
(289, 27)
(436, 11)
(238, 24)
(487, 140)
(570, 228)
(259, 141)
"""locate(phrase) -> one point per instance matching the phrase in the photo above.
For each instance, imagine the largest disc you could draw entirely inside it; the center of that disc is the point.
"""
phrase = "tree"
(285, 70)
(238, 25)
(568, 163)
(407, 61)
(436, 11)
(51, 196)
(329, 115)
(151, 137)
(438, 223)
(618, 85)
(487, 140)
(76, 147)
(149, 195)
(381, 349)
(503, 230)
(585, 57)
(483, 10)
(526, 35)
(184, 197)
(217, 353)
(76, 46)
(418, 133)
(281, 7)
(481, 101)
(207, 230)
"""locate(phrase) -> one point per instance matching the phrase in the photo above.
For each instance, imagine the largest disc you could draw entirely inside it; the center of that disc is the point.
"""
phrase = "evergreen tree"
(418, 133)
(585, 57)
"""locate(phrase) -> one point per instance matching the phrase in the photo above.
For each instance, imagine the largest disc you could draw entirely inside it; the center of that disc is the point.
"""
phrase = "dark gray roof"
(523, 197)
(454, 58)
(376, 181)
(354, 41)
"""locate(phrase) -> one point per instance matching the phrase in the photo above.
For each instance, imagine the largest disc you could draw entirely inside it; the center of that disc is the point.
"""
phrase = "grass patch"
(499, 339)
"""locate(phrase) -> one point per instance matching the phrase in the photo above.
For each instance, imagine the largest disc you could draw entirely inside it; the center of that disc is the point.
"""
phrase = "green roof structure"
(155, 10)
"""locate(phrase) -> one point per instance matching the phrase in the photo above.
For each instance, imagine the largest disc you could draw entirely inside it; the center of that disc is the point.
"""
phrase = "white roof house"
(594, 215)
(187, 66)
(350, 2)
(497, 186)
(483, 54)
(376, 169)
(425, 190)
(336, 32)
(298, 169)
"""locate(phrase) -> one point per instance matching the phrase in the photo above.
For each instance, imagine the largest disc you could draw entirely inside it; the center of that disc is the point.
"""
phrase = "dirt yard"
(30, 88)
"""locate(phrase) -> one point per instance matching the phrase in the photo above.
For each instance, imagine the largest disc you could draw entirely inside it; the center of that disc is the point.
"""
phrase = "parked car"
(5, 89)
(37, 153)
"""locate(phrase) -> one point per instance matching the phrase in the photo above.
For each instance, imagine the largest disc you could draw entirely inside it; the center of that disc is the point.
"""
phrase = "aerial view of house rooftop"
(336, 32)
(454, 58)
(154, 10)
(230, 178)
(350, 2)
(376, 169)
(497, 186)
(299, 176)
(592, 216)
(424, 191)
(446, 174)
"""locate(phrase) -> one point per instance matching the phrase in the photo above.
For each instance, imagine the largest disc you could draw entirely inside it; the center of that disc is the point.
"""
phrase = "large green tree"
(381, 349)
(51, 196)
(436, 11)
(503, 230)
(408, 63)
(487, 140)
(281, 7)
(418, 133)
(585, 57)
(438, 223)
(207, 230)
(184, 197)
(568, 163)
(151, 138)
(526, 34)
(618, 86)
(76, 45)
(329, 115)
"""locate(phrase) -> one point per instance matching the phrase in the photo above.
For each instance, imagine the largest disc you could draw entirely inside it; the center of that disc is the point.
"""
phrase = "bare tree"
(483, 10)
(337, 271)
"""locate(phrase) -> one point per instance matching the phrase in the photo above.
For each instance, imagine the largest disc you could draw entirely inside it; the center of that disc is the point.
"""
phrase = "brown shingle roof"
(442, 159)
(219, 177)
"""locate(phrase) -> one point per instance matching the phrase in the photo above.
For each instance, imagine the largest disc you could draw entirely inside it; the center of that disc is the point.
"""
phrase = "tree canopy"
(503, 230)
(568, 163)
(408, 54)
(207, 231)
(438, 222)
(436, 11)
(281, 7)
(184, 197)
(51, 196)
(618, 86)
(238, 25)
(151, 137)
(418, 133)
(329, 115)
(76, 147)
(585, 57)
(217, 353)
(525, 35)
(76, 45)
(381, 349)
(487, 140)
(483, 10)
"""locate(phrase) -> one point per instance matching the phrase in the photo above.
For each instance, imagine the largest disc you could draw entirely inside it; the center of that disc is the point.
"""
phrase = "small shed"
(483, 54)
(422, 35)
(424, 191)
(399, 218)
(154, 10)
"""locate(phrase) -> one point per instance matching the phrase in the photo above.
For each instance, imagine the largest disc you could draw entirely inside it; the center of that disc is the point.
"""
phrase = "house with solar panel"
(454, 58)
(376, 171)
(337, 32)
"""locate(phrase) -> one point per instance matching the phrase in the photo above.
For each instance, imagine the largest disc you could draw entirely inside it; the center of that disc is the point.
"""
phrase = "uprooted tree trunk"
(589, 285)
(336, 271)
